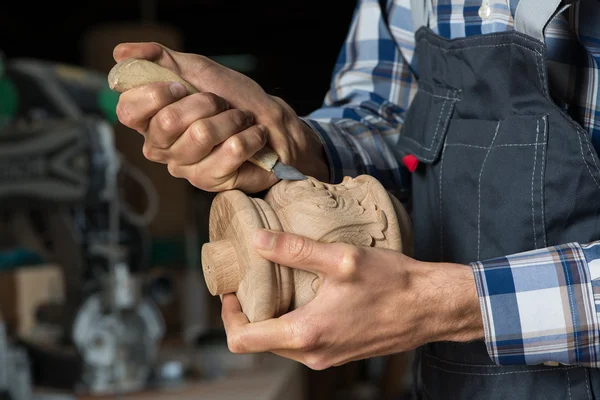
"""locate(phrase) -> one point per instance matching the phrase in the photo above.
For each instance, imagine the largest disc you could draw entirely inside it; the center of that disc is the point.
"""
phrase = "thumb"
(142, 50)
(150, 51)
(188, 66)
(298, 251)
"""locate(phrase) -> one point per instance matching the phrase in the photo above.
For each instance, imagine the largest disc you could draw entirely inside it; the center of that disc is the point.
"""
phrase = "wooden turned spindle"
(358, 211)
(221, 269)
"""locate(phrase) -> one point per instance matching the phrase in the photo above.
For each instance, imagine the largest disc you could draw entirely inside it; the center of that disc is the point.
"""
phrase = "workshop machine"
(15, 376)
(60, 196)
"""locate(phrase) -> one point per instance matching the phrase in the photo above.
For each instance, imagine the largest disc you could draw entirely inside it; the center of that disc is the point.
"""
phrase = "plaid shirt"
(538, 306)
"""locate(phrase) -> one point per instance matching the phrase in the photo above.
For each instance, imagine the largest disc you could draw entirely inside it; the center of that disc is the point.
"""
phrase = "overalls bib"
(502, 169)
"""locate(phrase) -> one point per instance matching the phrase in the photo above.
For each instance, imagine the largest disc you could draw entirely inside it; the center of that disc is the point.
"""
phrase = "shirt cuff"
(538, 307)
(342, 154)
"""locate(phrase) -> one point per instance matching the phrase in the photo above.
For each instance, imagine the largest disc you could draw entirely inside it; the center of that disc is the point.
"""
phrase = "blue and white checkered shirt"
(360, 121)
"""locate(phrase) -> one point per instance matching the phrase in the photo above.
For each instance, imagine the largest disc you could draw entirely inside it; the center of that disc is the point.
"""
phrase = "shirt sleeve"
(363, 111)
(542, 306)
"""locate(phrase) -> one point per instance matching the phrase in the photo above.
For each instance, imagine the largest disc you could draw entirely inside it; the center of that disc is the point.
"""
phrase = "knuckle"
(228, 184)
(211, 101)
(173, 169)
(125, 114)
(307, 341)
(239, 118)
(277, 112)
(316, 361)
(200, 135)
(235, 343)
(147, 151)
(168, 120)
(198, 183)
(259, 135)
(221, 181)
(236, 147)
(298, 247)
(157, 98)
(200, 180)
(150, 152)
(350, 260)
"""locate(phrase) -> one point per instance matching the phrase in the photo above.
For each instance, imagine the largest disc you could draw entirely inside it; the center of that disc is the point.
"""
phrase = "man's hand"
(207, 137)
(371, 302)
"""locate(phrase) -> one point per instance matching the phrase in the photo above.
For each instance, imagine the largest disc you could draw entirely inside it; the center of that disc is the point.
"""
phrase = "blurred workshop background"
(101, 287)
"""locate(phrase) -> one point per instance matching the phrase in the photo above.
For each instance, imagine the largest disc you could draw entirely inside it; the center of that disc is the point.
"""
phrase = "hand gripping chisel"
(131, 73)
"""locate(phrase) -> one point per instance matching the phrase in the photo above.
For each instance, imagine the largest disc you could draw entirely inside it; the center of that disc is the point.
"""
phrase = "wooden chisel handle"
(132, 73)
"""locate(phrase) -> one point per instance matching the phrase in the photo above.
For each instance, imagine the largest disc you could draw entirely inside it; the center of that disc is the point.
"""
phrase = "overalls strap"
(532, 16)
(420, 13)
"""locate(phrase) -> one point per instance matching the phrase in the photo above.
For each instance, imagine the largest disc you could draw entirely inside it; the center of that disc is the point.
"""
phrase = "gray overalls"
(502, 169)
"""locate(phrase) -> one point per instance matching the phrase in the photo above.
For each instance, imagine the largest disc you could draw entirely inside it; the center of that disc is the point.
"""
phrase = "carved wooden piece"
(357, 211)
(132, 73)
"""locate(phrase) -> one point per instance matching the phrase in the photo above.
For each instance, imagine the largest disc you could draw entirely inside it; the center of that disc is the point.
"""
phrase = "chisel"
(131, 73)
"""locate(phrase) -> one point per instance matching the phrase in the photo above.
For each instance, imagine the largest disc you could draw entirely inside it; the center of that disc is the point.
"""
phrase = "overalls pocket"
(426, 122)
(500, 164)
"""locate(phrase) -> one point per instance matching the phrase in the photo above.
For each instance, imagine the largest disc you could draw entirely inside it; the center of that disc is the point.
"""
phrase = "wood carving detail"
(357, 211)
(302, 205)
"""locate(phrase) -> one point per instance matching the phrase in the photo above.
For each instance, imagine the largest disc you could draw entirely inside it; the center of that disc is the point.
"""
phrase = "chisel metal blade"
(285, 172)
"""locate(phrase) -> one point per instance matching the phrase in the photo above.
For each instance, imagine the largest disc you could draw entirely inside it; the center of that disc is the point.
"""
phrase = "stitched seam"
(461, 365)
(569, 285)
(479, 192)
(436, 130)
(466, 145)
(518, 144)
(437, 127)
(544, 72)
(587, 142)
(445, 127)
(439, 142)
(426, 392)
(500, 373)
(539, 70)
(585, 163)
(441, 206)
(483, 46)
(581, 131)
(439, 96)
(542, 176)
(537, 132)
(544, 67)
(495, 146)
(470, 38)
(568, 384)
(587, 387)
(428, 87)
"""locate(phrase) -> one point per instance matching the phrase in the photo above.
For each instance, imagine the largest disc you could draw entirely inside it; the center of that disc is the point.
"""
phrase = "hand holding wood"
(357, 211)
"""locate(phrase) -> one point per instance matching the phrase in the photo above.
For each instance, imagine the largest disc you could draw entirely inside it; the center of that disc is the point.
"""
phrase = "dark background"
(295, 42)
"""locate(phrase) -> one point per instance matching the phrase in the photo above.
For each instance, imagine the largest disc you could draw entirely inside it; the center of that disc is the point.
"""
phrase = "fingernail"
(177, 89)
(264, 240)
